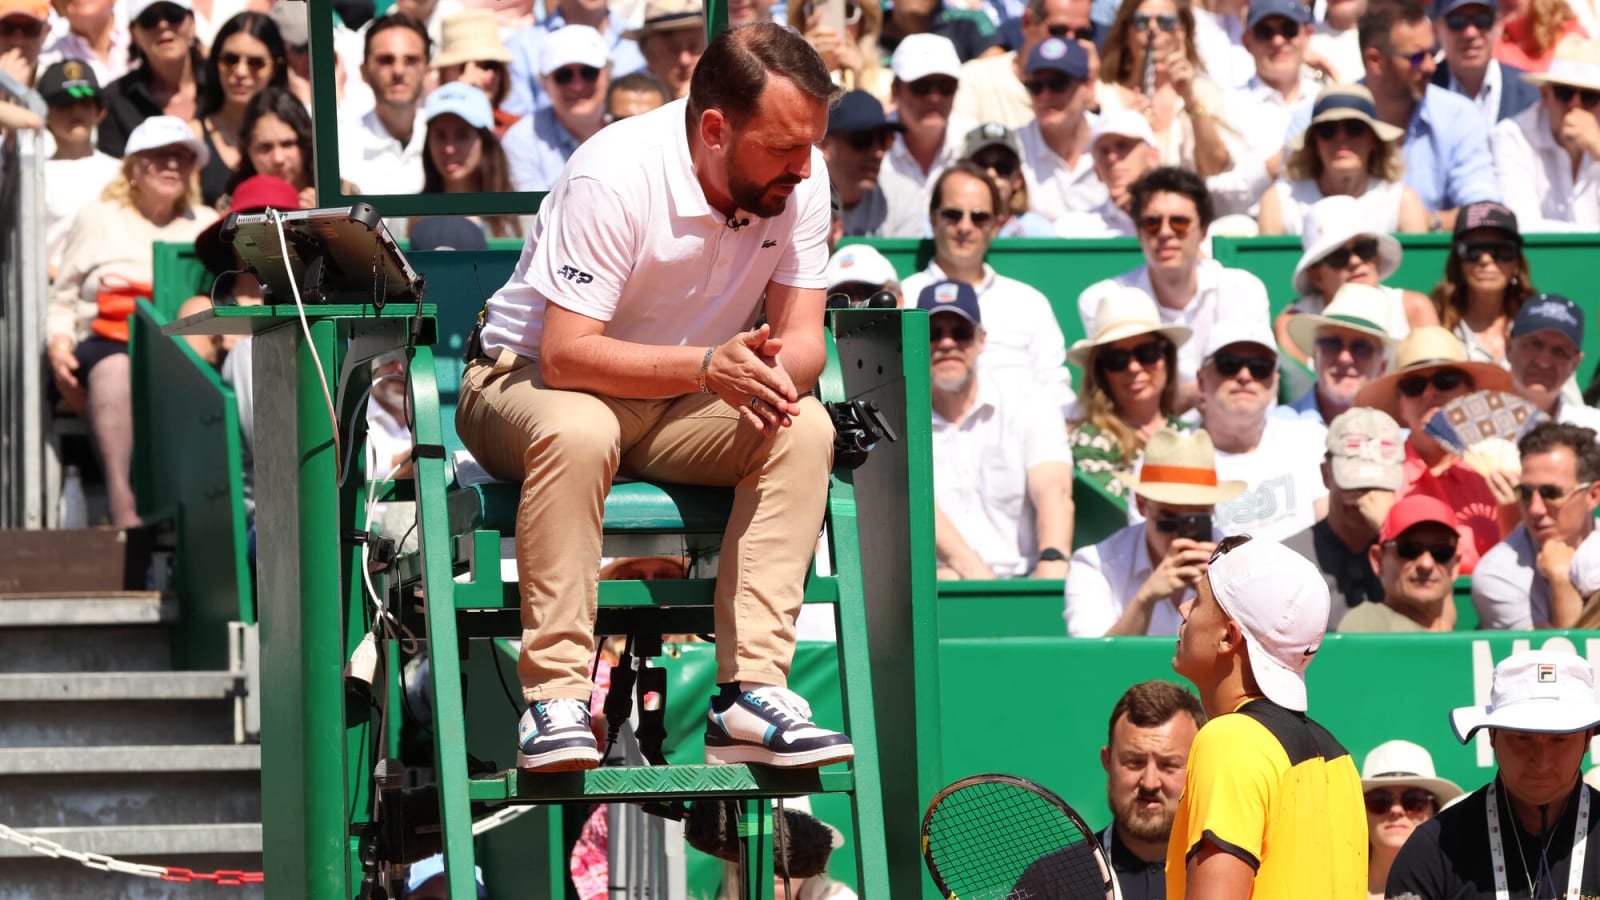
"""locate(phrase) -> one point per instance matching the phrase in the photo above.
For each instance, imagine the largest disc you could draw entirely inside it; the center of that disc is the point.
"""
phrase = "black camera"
(1194, 526)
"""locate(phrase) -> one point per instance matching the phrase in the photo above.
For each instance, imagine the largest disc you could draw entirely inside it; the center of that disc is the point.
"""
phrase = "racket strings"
(996, 841)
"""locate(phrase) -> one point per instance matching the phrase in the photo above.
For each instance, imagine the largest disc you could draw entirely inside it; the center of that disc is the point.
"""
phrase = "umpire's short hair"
(733, 71)
(1172, 180)
(1151, 703)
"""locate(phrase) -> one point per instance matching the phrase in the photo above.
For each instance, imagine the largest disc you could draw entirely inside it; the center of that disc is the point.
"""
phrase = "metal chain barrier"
(103, 863)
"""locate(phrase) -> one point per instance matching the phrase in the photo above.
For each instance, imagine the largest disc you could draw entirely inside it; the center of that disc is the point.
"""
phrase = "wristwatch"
(1051, 554)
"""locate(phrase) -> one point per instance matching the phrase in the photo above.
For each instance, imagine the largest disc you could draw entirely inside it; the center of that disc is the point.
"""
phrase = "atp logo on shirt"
(573, 273)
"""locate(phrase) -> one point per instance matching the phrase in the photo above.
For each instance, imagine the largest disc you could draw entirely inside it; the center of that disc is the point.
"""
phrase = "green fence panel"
(1020, 607)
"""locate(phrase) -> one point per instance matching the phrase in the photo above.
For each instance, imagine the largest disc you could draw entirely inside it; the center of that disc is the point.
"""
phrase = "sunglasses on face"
(1352, 129)
(1229, 364)
(862, 141)
(1361, 349)
(952, 216)
(1002, 164)
(1085, 33)
(960, 333)
(229, 60)
(1152, 225)
(565, 74)
(922, 87)
(1266, 31)
(1502, 251)
(1408, 550)
(1443, 381)
(1117, 359)
(1167, 22)
(1458, 21)
(1565, 92)
(1549, 493)
(1059, 84)
(1417, 59)
(1364, 249)
(1413, 800)
(21, 26)
(161, 13)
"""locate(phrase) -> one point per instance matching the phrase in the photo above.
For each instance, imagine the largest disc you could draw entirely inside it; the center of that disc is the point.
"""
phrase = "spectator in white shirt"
(78, 172)
(925, 71)
(1545, 349)
(1469, 31)
(997, 150)
(1336, 41)
(1346, 151)
(1055, 146)
(1545, 157)
(1123, 149)
(381, 153)
(858, 137)
(1348, 345)
(1257, 113)
(1021, 328)
(991, 86)
(1172, 210)
(1278, 458)
(1133, 582)
(1002, 471)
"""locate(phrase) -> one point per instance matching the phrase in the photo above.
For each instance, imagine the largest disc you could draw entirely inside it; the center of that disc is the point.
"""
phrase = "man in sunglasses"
(1002, 468)
(623, 51)
(1415, 557)
(1272, 803)
(1446, 145)
(1545, 349)
(1547, 157)
(22, 32)
(1531, 831)
(1347, 344)
(1133, 582)
(926, 69)
(859, 135)
(575, 72)
(1468, 32)
(992, 88)
(1525, 581)
(1256, 114)
(1055, 145)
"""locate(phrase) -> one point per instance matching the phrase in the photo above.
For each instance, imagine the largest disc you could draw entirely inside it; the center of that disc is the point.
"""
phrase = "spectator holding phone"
(1134, 581)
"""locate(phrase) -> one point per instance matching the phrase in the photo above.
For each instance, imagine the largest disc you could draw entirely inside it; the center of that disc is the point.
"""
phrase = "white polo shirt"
(1021, 333)
(1535, 176)
(981, 463)
(1103, 579)
(1055, 186)
(1221, 293)
(375, 161)
(1255, 116)
(908, 188)
(1283, 481)
(627, 237)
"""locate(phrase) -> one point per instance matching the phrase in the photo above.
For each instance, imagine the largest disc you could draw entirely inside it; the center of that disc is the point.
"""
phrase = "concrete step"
(79, 609)
(115, 722)
(87, 648)
(123, 686)
(181, 841)
(131, 759)
(40, 877)
(129, 801)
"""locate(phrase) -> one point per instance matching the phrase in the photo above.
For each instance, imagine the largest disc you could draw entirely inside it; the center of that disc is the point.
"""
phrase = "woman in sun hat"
(470, 51)
(1547, 157)
(1130, 386)
(1345, 151)
(1341, 246)
(105, 269)
(1486, 280)
(1402, 791)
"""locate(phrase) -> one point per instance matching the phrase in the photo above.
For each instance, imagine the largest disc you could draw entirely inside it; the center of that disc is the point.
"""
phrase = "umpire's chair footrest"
(632, 784)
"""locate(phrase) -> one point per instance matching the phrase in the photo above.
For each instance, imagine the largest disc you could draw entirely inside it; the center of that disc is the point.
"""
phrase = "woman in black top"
(167, 74)
(246, 58)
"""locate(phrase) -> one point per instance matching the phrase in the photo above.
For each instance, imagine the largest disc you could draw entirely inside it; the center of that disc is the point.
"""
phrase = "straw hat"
(1123, 313)
(1577, 62)
(1394, 763)
(1332, 221)
(470, 36)
(1338, 102)
(1180, 469)
(1424, 350)
(668, 15)
(1359, 307)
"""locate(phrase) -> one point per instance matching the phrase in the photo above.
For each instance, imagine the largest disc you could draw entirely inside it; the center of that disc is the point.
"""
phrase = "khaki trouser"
(565, 447)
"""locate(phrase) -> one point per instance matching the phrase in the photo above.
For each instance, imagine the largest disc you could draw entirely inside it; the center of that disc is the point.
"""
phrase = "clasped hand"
(746, 373)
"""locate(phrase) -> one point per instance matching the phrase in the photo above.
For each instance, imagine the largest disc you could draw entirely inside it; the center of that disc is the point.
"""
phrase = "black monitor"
(337, 255)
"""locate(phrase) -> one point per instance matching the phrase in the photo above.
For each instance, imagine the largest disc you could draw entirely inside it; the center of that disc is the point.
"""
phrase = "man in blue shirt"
(574, 74)
(526, 94)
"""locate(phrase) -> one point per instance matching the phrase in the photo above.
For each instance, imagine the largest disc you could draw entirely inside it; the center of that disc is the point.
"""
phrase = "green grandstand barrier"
(188, 468)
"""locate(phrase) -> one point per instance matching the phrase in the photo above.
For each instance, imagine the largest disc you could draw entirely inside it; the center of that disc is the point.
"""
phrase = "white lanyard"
(1580, 845)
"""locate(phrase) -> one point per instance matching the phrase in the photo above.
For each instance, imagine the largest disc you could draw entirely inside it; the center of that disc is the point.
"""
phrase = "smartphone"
(1194, 526)
(833, 14)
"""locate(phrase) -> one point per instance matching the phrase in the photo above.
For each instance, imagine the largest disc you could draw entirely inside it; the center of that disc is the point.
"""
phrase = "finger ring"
(755, 402)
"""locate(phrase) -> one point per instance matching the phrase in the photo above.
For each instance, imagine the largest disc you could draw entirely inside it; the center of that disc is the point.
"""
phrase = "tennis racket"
(1000, 837)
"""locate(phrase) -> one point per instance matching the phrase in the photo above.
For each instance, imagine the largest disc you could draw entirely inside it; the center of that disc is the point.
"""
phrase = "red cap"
(253, 195)
(1415, 509)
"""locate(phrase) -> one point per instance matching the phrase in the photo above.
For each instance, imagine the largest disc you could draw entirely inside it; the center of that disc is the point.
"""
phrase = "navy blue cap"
(859, 111)
(1293, 10)
(1550, 312)
(1442, 8)
(1058, 54)
(952, 297)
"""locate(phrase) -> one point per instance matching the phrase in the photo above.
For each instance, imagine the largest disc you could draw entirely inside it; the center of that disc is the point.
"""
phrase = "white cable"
(294, 288)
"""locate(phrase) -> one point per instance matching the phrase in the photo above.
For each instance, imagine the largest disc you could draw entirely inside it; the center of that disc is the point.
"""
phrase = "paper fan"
(1484, 427)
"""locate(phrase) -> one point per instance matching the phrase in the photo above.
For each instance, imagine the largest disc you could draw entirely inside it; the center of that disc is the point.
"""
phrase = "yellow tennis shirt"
(1278, 791)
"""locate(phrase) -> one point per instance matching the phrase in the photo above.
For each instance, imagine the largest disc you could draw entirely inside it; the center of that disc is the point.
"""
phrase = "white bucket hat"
(1329, 223)
(1280, 602)
(1397, 763)
(1180, 469)
(1536, 690)
(1359, 307)
(1123, 313)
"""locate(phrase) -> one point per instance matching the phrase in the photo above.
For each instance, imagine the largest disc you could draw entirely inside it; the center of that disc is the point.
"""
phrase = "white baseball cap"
(1536, 690)
(572, 45)
(859, 263)
(1125, 122)
(921, 55)
(164, 131)
(137, 7)
(1239, 331)
(1280, 602)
